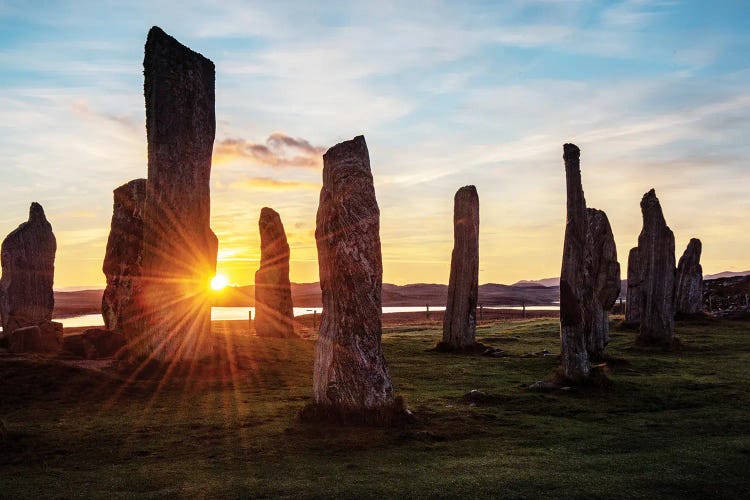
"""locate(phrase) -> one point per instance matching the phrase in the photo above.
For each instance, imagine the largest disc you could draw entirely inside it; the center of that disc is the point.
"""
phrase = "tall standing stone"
(575, 287)
(122, 260)
(28, 263)
(351, 374)
(460, 319)
(179, 254)
(605, 275)
(274, 312)
(656, 265)
(632, 304)
(689, 280)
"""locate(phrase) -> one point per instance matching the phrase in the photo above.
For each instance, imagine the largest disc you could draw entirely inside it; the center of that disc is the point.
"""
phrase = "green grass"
(672, 425)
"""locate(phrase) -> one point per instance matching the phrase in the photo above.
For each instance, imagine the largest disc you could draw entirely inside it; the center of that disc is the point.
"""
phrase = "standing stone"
(656, 265)
(632, 304)
(122, 260)
(575, 281)
(179, 254)
(605, 275)
(689, 280)
(274, 313)
(28, 262)
(460, 319)
(351, 375)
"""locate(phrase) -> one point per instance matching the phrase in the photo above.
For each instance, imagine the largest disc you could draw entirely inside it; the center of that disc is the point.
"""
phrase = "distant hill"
(726, 274)
(543, 282)
(73, 303)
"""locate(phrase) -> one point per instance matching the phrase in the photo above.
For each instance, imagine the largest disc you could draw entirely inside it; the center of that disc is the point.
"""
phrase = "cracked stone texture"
(179, 254)
(575, 277)
(350, 372)
(122, 259)
(605, 275)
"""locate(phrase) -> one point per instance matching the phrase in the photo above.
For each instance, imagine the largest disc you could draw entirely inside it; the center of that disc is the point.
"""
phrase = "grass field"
(673, 425)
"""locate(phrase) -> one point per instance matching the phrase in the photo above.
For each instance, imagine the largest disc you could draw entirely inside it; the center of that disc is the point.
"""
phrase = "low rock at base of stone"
(94, 343)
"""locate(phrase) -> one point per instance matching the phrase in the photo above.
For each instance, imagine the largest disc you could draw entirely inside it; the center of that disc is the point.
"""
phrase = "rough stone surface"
(605, 276)
(350, 372)
(656, 265)
(44, 338)
(122, 260)
(460, 318)
(689, 280)
(274, 314)
(28, 262)
(94, 343)
(179, 254)
(575, 276)
(632, 304)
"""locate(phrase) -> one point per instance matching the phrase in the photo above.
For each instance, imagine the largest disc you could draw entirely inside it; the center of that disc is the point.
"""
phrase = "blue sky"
(656, 94)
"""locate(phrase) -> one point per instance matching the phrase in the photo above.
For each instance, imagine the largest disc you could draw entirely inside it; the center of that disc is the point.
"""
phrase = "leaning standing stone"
(179, 253)
(575, 288)
(351, 377)
(460, 319)
(274, 312)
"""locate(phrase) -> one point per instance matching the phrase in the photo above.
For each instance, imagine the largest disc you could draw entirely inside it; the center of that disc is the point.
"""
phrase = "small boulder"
(94, 343)
(26, 339)
(52, 333)
(543, 386)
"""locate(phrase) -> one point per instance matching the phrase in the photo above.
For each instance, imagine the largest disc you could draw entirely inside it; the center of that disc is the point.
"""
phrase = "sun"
(219, 282)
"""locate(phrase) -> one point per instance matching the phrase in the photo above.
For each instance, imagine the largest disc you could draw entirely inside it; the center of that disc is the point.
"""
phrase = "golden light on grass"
(219, 282)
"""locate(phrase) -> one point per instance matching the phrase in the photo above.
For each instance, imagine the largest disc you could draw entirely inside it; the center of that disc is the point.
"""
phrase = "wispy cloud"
(279, 150)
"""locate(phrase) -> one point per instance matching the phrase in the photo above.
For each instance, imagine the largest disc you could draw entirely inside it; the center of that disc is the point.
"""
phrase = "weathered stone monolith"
(605, 275)
(460, 319)
(632, 304)
(122, 260)
(657, 274)
(28, 263)
(179, 253)
(689, 280)
(351, 377)
(274, 313)
(575, 281)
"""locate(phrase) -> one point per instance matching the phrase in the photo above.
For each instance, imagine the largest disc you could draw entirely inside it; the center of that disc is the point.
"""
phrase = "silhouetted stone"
(632, 304)
(28, 262)
(605, 275)
(44, 338)
(94, 343)
(460, 318)
(351, 374)
(575, 277)
(689, 280)
(179, 254)
(122, 261)
(274, 313)
(657, 271)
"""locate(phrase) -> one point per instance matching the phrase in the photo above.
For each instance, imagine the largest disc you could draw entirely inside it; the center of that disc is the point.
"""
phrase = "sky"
(656, 94)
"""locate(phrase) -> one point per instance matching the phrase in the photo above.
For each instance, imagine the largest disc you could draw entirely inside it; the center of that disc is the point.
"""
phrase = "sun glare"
(219, 282)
